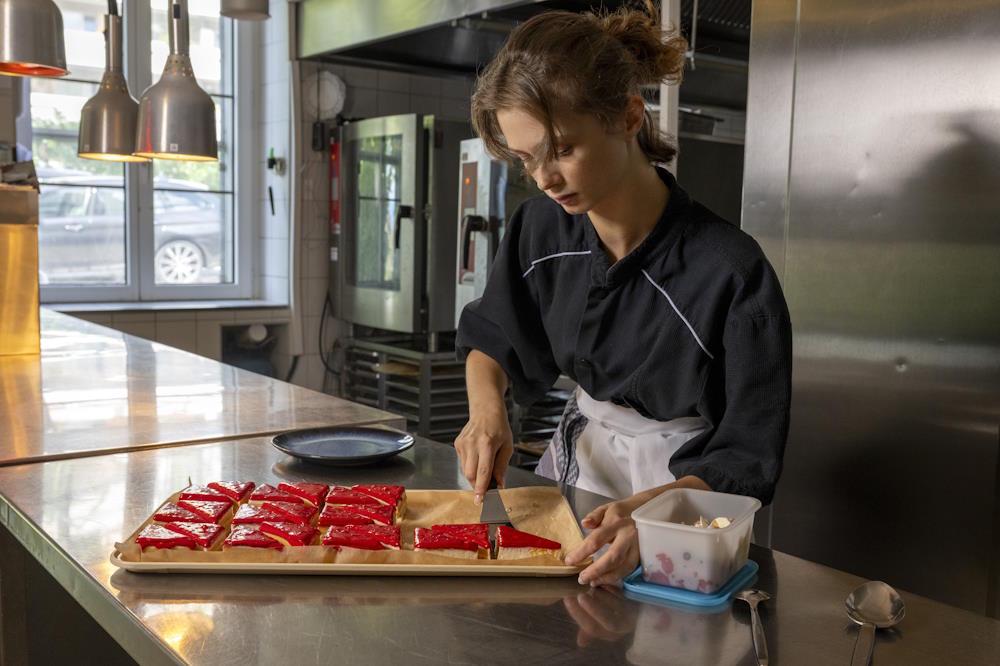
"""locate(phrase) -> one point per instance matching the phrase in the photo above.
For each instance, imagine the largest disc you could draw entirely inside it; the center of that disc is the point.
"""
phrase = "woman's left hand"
(611, 523)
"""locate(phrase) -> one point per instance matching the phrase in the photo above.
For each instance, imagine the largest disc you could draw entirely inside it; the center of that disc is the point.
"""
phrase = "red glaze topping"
(366, 537)
(266, 493)
(477, 533)
(253, 514)
(214, 511)
(250, 537)
(158, 536)
(385, 494)
(429, 539)
(342, 495)
(508, 537)
(171, 513)
(234, 490)
(204, 534)
(342, 515)
(205, 494)
(295, 535)
(291, 513)
(310, 492)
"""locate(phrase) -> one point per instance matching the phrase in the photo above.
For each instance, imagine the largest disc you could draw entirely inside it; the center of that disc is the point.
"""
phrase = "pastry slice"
(359, 514)
(443, 543)
(311, 493)
(477, 533)
(394, 496)
(363, 537)
(204, 494)
(516, 545)
(251, 514)
(171, 513)
(206, 535)
(217, 512)
(248, 536)
(158, 536)
(268, 493)
(290, 534)
(237, 491)
(302, 514)
(344, 495)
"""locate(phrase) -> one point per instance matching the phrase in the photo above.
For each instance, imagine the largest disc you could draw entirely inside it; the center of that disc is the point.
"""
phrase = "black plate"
(343, 447)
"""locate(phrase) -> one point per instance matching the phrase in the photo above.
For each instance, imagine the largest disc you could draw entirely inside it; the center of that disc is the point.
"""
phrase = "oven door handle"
(401, 212)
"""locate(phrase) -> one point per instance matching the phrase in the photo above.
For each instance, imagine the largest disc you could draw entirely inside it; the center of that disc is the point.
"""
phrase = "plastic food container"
(693, 558)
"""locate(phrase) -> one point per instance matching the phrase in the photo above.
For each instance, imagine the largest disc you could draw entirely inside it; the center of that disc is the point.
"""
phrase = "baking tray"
(540, 510)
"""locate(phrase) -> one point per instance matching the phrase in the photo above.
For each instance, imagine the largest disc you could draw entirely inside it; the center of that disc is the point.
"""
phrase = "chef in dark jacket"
(669, 319)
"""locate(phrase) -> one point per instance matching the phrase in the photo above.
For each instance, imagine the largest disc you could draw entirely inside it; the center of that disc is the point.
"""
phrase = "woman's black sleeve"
(506, 323)
(743, 453)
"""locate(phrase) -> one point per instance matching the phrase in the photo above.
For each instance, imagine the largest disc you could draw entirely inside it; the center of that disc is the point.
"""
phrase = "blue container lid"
(636, 585)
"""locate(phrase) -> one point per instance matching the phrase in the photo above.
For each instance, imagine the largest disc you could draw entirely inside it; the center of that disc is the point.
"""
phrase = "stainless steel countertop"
(90, 379)
(68, 513)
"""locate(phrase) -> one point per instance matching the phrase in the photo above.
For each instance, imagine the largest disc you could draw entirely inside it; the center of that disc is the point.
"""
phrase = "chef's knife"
(494, 513)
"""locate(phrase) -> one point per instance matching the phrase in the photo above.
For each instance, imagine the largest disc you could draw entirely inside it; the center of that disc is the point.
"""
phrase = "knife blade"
(494, 514)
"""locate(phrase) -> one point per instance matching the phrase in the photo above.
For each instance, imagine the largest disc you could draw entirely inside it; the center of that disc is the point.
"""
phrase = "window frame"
(140, 283)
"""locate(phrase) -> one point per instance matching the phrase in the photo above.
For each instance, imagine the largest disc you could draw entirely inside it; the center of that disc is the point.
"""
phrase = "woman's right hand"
(484, 448)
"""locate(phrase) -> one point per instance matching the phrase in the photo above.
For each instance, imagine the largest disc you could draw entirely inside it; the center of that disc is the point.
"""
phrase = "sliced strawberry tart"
(516, 545)
(237, 491)
(466, 541)
(268, 493)
(363, 537)
(310, 493)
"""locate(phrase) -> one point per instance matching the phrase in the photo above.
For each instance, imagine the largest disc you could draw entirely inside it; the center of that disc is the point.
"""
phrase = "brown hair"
(584, 63)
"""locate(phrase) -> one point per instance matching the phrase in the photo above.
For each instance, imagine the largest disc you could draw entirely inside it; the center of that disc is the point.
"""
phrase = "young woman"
(669, 319)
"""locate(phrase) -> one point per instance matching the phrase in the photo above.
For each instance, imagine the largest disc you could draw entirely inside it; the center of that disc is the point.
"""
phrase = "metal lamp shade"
(31, 38)
(107, 121)
(248, 10)
(177, 117)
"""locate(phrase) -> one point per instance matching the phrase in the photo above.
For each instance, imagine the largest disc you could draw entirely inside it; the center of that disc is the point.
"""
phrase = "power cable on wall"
(330, 370)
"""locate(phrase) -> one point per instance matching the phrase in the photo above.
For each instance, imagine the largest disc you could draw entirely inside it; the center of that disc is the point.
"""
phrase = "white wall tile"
(209, 335)
(391, 103)
(276, 289)
(425, 85)
(361, 77)
(145, 330)
(360, 102)
(179, 334)
(317, 259)
(314, 295)
(275, 262)
(132, 317)
(393, 81)
(425, 104)
(456, 87)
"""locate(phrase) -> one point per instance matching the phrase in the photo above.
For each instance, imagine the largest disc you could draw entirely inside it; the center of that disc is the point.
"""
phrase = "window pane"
(82, 26)
(81, 227)
(378, 192)
(214, 176)
(210, 37)
(81, 233)
(193, 234)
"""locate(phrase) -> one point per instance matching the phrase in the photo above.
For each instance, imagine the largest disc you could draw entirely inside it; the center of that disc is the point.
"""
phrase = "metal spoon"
(872, 605)
(753, 597)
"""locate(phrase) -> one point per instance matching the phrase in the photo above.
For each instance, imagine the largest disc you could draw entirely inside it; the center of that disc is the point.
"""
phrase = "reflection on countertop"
(93, 390)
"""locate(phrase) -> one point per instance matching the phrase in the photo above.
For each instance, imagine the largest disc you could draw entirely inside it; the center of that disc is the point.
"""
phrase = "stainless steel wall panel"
(770, 86)
(892, 276)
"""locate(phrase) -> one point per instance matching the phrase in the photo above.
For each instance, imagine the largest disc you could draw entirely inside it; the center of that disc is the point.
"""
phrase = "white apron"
(620, 452)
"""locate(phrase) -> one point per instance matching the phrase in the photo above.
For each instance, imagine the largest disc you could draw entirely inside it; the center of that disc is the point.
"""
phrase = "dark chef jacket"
(691, 322)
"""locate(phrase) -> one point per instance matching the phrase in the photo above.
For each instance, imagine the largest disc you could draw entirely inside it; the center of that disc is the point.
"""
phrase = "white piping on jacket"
(686, 322)
(551, 256)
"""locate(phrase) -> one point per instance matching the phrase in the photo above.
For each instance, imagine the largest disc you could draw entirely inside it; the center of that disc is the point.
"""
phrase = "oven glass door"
(382, 167)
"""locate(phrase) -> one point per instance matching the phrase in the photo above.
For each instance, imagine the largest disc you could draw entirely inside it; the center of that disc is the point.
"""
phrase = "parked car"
(81, 230)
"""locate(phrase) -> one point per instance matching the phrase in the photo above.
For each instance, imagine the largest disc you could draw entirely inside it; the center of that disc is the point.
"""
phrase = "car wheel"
(178, 262)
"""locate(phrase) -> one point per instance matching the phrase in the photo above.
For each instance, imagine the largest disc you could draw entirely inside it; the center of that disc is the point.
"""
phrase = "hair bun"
(658, 53)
